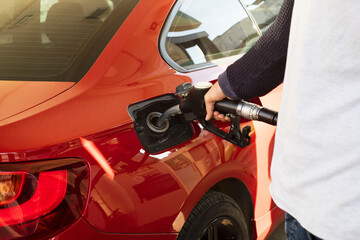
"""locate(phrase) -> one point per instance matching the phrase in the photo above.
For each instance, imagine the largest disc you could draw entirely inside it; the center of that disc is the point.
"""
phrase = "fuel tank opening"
(151, 121)
(158, 124)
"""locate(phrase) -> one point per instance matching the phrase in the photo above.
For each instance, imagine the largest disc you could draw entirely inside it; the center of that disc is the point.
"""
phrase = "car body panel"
(19, 96)
(82, 230)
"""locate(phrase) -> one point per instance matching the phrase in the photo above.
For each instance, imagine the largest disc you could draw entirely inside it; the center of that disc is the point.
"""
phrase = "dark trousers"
(294, 231)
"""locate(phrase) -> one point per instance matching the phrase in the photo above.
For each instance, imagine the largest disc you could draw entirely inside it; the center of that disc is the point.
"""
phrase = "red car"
(71, 164)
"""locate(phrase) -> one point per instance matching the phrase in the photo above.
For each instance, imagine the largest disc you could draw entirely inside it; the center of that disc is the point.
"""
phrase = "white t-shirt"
(316, 162)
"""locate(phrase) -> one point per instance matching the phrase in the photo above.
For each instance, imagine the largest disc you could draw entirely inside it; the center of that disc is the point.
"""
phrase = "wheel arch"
(231, 186)
(235, 179)
(238, 191)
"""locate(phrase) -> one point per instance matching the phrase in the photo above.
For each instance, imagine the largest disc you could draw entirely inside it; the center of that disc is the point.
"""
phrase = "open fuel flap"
(154, 139)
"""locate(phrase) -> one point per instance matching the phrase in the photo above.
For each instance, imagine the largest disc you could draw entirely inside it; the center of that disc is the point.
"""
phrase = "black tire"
(215, 217)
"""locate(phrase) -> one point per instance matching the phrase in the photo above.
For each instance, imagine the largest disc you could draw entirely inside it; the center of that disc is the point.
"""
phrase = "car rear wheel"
(216, 216)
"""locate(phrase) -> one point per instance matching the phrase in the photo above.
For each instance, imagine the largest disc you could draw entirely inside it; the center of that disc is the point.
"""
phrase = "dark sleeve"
(262, 68)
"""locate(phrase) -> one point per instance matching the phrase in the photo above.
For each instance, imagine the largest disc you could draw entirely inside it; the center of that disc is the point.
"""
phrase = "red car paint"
(145, 196)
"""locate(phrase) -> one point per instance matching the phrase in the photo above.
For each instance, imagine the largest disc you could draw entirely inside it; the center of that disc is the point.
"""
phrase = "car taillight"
(40, 198)
(10, 186)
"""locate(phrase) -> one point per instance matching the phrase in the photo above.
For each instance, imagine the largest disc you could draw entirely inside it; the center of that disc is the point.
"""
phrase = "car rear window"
(52, 40)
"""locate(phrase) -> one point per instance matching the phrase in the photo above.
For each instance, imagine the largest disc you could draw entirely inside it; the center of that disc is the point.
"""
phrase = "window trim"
(163, 35)
(251, 18)
(165, 31)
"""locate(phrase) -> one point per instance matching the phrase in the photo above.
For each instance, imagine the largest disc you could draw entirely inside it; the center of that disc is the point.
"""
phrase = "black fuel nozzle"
(161, 122)
(192, 104)
(194, 101)
(183, 89)
(193, 107)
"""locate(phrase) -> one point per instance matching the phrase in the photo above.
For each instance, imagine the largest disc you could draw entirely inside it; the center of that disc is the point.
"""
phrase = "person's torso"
(316, 166)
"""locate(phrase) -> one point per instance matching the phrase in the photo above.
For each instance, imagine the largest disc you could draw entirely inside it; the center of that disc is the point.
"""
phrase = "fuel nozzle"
(193, 107)
(194, 101)
(183, 89)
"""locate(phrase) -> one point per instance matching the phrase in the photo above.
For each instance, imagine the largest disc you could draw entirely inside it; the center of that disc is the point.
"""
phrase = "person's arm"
(260, 70)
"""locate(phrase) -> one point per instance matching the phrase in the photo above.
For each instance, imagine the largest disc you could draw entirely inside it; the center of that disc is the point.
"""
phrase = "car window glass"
(264, 11)
(208, 32)
(53, 40)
